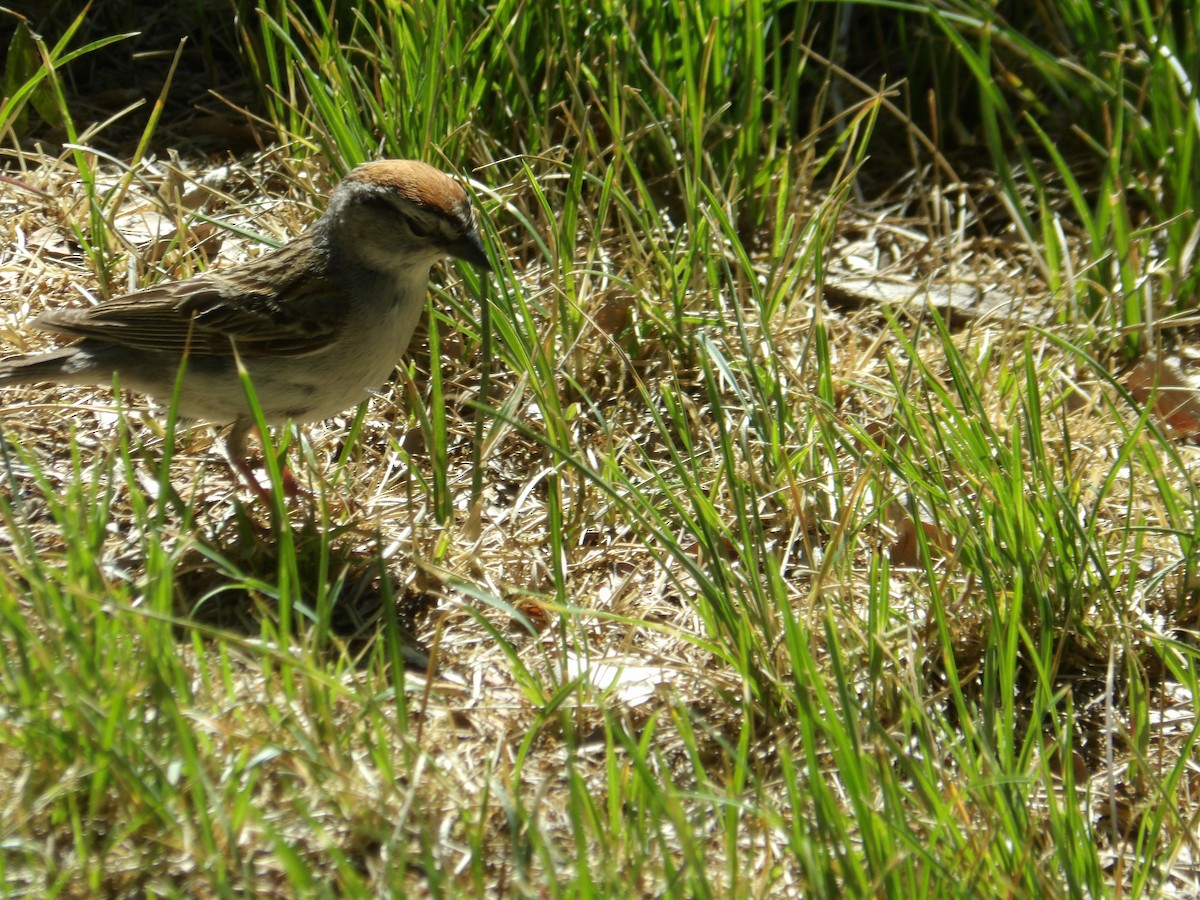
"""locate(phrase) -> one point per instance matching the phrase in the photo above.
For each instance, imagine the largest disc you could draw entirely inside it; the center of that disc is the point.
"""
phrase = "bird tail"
(44, 367)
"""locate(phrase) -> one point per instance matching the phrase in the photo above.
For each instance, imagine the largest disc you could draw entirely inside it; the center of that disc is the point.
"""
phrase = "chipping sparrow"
(317, 323)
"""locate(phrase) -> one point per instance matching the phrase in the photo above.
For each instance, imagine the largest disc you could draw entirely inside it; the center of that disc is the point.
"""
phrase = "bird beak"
(470, 249)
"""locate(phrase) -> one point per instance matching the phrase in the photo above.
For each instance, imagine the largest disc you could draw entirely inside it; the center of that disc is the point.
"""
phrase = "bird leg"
(235, 452)
(235, 455)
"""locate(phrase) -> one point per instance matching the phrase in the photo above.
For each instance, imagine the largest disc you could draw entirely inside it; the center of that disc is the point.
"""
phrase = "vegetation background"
(806, 507)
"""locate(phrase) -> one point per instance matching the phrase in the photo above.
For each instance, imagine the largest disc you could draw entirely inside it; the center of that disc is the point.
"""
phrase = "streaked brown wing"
(275, 306)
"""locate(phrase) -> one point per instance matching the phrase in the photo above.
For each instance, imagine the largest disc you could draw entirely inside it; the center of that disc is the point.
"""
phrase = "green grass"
(659, 569)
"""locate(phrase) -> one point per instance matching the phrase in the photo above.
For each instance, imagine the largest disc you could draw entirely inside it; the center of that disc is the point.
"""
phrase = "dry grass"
(729, 572)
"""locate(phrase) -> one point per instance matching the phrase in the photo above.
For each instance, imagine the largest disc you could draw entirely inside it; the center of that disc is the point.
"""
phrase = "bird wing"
(278, 305)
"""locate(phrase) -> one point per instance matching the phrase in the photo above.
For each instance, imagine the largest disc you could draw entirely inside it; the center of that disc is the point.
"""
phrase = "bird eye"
(419, 229)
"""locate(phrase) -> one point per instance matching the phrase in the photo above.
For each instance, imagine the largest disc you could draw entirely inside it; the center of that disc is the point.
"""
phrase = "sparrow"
(317, 324)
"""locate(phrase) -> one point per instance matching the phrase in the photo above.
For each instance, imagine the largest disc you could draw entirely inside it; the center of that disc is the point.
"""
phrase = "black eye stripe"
(422, 226)
(418, 228)
(434, 226)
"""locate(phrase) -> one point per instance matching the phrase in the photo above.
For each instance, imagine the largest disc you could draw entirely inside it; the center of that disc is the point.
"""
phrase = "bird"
(318, 323)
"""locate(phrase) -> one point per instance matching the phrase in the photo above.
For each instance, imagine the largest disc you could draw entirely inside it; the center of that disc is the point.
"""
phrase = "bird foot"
(291, 488)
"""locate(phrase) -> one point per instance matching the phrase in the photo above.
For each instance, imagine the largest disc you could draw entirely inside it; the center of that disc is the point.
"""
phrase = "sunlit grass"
(659, 569)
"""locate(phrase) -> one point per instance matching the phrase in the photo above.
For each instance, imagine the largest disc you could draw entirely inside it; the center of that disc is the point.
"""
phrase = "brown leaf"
(1175, 401)
(905, 549)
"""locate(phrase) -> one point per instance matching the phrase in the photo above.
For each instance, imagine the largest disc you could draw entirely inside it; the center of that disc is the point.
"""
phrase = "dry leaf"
(905, 549)
(959, 300)
(1175, 400)
(629, 683)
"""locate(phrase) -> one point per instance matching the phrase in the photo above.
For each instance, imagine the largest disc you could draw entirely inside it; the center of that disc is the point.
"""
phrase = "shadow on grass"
(327, 585)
